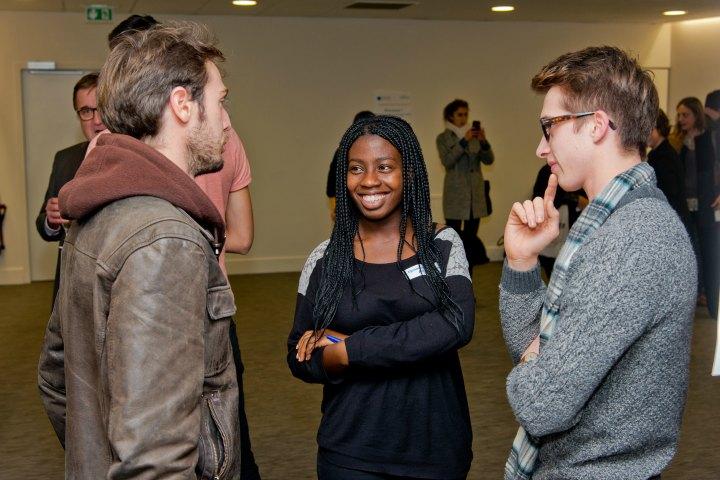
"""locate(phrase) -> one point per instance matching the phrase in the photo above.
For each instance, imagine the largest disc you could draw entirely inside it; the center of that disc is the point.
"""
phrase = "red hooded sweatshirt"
(122, 166)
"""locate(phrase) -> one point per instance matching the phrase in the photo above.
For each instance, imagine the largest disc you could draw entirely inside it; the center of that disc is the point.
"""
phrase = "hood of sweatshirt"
(121, 166)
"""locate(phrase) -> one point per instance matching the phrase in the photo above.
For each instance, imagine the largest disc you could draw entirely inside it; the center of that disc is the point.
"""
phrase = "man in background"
(712, 110)
(49, 222)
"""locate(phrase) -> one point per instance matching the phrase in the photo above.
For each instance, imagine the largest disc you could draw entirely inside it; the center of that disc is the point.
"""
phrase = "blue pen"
(334, 339)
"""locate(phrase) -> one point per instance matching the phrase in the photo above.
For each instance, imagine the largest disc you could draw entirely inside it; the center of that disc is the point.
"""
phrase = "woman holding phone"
(462, 148)
(383, 307)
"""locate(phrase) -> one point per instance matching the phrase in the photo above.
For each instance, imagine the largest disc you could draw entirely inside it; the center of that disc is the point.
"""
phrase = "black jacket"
(707, 190)
(65, 165)
(670, 177)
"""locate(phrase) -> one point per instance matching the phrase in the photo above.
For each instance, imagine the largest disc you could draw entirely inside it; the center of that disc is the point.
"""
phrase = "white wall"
(295, 85)
(695, 60)
(32, 36)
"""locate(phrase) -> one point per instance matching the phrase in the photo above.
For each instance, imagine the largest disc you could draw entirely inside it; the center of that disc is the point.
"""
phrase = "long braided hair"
(339, 257)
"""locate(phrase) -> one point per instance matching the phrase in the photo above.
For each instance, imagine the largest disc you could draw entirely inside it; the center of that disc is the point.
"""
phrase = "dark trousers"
(248, 467)
(705, 236)
(474, 248)
(329, 471)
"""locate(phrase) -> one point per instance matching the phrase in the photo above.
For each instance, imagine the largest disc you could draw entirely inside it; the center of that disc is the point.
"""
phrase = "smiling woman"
(396, 292)
(374, 178)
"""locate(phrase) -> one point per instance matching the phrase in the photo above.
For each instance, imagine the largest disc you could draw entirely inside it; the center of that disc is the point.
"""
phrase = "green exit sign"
(98, 13)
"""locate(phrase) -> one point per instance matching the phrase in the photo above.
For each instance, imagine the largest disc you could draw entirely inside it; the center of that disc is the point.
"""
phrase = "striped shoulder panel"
(457, 262)
(310, 263)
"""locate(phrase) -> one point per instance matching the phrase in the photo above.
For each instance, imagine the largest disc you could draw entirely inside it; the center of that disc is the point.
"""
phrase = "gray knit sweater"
(606, 394)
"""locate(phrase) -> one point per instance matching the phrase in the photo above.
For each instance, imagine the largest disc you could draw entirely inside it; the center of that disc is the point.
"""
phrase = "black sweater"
(670, 177)
(401, 407)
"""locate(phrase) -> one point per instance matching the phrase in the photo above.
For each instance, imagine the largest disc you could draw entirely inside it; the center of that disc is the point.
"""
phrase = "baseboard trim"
(238, 265)
(14, 276)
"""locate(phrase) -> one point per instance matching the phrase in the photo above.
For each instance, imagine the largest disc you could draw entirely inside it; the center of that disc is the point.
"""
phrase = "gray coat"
(606, 394)
(463, 189)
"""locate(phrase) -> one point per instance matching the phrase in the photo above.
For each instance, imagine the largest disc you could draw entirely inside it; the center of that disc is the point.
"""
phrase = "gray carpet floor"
(284, 412)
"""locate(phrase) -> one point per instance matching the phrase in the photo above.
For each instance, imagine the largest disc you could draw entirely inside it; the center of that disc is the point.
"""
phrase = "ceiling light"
(244, 3)
(674, 13)
(503, 8)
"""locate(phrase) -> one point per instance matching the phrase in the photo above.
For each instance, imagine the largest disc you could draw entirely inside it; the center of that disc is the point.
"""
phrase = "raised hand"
(531, 226)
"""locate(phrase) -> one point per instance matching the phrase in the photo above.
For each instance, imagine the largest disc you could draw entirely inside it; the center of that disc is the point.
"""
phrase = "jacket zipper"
(223, 438)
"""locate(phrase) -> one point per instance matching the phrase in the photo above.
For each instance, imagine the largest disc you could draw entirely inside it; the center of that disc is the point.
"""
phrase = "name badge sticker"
(417, 271)
(414, 271)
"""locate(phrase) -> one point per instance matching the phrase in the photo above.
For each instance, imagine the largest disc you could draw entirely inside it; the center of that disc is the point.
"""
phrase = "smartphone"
(476, 125)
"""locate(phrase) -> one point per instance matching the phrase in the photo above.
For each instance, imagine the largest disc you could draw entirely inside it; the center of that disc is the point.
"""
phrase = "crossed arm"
(314, 358)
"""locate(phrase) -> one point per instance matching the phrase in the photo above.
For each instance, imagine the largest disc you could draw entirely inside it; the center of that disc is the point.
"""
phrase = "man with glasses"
(49, 222)
(601, 353)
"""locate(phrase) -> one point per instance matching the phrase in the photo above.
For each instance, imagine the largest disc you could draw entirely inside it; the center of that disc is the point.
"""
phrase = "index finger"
(551, 189)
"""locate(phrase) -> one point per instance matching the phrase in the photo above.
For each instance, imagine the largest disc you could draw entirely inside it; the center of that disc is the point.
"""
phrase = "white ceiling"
(645, 11)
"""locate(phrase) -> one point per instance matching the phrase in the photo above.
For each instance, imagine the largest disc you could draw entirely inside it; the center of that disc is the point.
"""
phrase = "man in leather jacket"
(136, 370)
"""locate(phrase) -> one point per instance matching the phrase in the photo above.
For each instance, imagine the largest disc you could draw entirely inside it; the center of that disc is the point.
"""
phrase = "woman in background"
(383, 307)
(701, 193)
(462, 148)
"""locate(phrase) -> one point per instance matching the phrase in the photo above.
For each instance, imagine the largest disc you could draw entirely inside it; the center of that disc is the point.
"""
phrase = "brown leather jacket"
(136, 370)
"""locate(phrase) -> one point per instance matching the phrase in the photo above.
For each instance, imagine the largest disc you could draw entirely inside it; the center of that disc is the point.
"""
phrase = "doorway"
(49, 125)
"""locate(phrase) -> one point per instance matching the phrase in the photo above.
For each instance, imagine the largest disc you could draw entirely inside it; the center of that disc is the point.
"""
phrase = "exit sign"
(98, 13)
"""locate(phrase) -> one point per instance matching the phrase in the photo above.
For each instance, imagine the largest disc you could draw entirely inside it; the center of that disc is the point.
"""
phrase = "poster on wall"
(388, 102)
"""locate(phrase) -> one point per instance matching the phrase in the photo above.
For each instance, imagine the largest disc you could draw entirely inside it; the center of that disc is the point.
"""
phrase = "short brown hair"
(605, 78)
(87, 81)
(143, 68)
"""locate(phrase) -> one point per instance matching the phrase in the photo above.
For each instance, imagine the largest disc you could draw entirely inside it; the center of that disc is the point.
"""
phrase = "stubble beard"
(205, 150)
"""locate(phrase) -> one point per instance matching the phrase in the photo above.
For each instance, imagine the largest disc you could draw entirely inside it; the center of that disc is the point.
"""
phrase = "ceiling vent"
(380, 5)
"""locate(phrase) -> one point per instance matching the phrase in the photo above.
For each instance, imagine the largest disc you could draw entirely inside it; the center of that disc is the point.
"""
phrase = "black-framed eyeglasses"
(86, 113)
(546, 123)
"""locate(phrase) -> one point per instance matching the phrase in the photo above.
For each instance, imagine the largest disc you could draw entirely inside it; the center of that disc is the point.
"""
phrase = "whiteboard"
(49, 124)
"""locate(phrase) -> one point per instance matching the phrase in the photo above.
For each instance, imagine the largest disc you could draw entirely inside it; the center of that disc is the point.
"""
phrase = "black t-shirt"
(401, 407)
